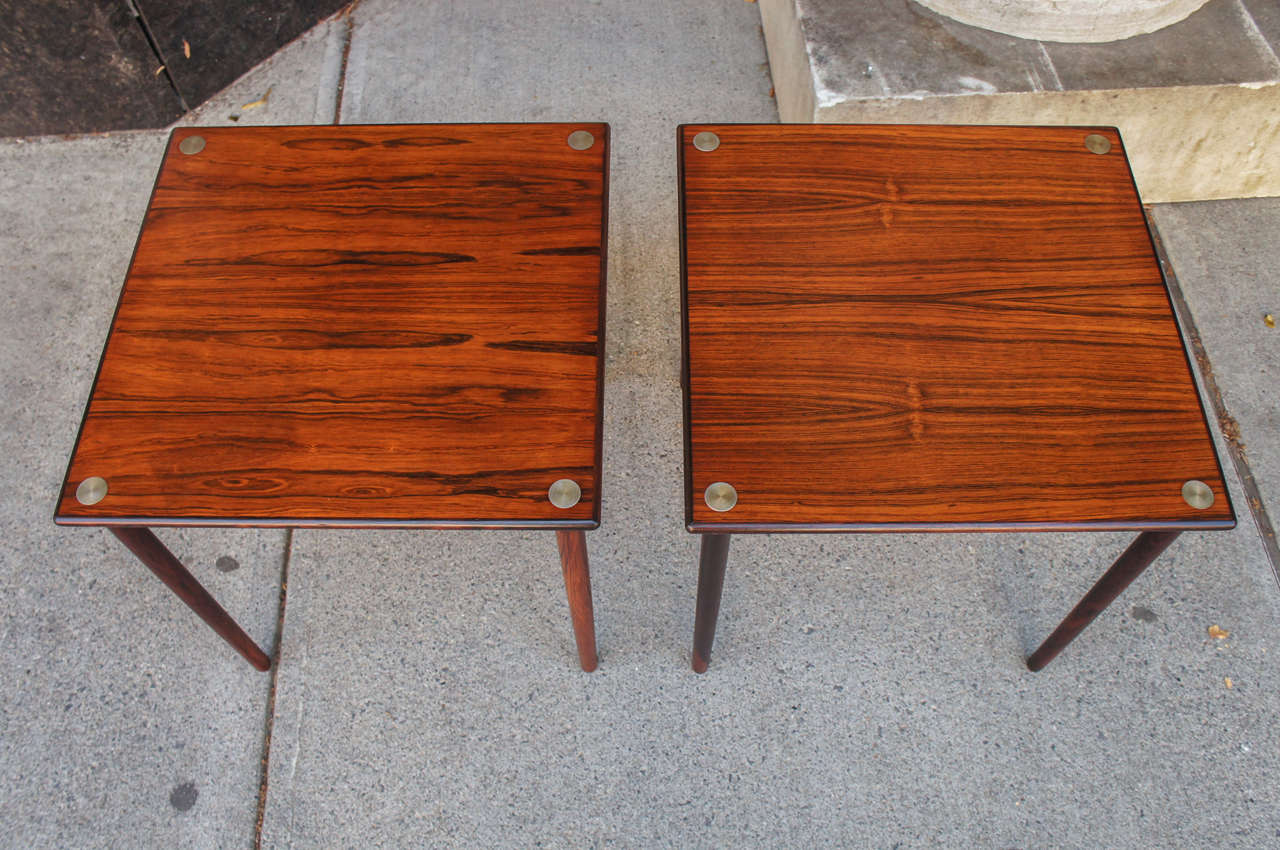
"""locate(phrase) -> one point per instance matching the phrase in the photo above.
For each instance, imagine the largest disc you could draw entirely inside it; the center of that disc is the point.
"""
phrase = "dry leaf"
(1270, 320)
(1227, 681)
(1216, 631)
(186, 49)
(262, 101)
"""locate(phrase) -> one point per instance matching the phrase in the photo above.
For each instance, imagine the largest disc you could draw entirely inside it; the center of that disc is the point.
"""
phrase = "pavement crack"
(271, 694)
(1226, 422)
(145, 26)
(349, 21)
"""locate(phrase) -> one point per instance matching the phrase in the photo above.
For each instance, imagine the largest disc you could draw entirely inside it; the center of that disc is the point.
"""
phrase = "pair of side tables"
(886, 328)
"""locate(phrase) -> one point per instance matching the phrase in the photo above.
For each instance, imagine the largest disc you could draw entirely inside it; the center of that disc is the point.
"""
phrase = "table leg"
(143, 543)
(711, 566)
(577, 586)
(1145, 549)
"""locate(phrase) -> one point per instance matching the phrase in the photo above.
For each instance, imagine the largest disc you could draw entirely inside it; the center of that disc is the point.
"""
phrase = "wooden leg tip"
(699, 663)
(589, 665)
(1036, 663)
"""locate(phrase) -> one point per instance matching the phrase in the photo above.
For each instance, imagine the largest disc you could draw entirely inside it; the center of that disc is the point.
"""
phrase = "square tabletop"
(357, 326)
(931, 328)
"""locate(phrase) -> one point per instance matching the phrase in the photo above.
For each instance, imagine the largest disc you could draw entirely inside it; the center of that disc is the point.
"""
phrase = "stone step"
(1198, 103)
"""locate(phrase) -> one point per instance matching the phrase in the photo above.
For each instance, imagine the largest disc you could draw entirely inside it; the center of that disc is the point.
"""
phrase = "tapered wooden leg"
(577, 586)
(169, 570)
(711, 566)
(1127, 567)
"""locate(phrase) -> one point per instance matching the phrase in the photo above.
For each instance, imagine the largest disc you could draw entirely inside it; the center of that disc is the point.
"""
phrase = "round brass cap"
(564, 493)
(720, 496)
(706, 141)
(91, 491)
(580, 140)
(1197, 494)
(191, 145)
(1096, 143)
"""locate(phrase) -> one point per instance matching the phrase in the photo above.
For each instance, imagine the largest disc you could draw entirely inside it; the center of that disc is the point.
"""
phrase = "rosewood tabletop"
(931, 328)
(395, 325)
(357, 326)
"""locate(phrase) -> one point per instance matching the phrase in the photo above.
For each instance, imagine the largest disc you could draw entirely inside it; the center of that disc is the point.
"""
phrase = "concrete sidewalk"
(866, 691)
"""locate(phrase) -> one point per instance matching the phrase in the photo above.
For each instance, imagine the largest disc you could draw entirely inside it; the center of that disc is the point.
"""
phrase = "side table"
(396, 326)
(931, 328)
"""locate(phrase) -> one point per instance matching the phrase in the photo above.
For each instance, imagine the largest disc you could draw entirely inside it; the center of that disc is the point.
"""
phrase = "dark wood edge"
(829, 124)
(176, 522)
(311, 522)
(687, 418)
(93, 387)
(1156, 254)
(269, 127)
(703, 527)
(600, 332)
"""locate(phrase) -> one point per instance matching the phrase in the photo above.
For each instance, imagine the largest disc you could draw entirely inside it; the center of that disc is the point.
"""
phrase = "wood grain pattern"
(932, 328)
(357, 325)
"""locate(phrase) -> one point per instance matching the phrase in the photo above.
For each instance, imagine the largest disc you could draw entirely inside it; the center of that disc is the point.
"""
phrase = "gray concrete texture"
(115, 698)
(865, 691)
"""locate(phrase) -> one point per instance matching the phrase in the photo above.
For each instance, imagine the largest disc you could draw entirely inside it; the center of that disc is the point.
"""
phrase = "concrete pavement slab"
(130, 723)
(125, 722)
(1227, 260)
(864, 690)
